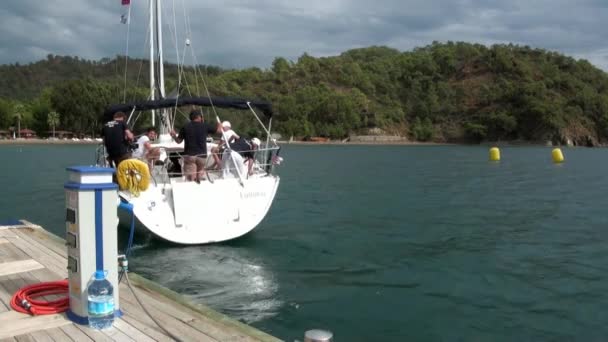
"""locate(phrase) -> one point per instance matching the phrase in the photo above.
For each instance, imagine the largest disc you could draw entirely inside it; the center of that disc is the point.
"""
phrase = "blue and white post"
(91, 201)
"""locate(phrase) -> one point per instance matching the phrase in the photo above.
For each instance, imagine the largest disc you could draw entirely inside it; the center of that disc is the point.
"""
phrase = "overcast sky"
(239, 33)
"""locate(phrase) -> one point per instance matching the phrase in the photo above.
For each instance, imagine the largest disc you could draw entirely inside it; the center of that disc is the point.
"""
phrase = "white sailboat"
(231, 202)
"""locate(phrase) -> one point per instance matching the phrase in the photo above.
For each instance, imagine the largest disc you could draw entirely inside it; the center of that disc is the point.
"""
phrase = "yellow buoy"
(557, 155)
(133, 175)
(494, 154)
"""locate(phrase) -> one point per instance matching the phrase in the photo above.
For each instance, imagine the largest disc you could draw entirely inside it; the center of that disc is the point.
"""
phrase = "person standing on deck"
(116, 137)
(194, 135)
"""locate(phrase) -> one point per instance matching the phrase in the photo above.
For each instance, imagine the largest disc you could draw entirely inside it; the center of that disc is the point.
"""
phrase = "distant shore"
(336, 142)
(316, 143)
(45, 142)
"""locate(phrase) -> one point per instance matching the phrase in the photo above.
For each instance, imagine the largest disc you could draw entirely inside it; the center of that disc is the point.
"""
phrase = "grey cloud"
(238, 33)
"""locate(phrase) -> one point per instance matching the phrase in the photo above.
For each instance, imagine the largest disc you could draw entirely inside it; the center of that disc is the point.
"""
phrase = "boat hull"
(188, 213)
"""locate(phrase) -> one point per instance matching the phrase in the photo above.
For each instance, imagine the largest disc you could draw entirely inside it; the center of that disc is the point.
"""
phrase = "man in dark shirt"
(247, 149)
(194, 135)
(116, 137)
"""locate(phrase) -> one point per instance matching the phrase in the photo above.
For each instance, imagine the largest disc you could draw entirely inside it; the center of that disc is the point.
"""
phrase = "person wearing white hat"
(230, 135)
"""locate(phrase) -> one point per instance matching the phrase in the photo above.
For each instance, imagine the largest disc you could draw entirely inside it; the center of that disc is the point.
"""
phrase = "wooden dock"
(29, 254)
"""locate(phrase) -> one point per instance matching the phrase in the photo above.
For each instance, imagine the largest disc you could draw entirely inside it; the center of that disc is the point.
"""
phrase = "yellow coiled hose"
(133, 175)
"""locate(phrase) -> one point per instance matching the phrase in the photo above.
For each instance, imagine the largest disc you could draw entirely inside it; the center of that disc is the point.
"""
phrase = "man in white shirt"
(231, 136)
(145, 151)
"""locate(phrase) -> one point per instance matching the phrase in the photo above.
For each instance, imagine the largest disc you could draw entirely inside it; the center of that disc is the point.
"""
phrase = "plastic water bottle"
(101, 302)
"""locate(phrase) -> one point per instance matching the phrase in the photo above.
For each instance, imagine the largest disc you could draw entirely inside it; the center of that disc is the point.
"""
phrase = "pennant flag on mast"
(124, 19)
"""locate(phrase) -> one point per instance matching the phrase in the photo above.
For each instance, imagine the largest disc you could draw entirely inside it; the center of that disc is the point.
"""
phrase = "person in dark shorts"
(194, 135)
(116, 137)
(246, 148)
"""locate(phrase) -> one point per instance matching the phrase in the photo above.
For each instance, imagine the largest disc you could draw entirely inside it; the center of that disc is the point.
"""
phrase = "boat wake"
(231, 280)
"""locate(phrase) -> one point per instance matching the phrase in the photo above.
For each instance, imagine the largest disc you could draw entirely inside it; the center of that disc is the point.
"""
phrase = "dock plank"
(41, 336)
(6, 231)
(49, 262)
(57, 261)
(117, 335)
(48, 243)
(12, 267)
(92, 334)
(8, 286)
(174, 325)
(131, 331)
(11, 316)
(58, 335)
(75, 333)
(164, 313)
(5, 298)
(9, 252)
(31, 324)
(25, 338)
(151, 330)
(35, 249)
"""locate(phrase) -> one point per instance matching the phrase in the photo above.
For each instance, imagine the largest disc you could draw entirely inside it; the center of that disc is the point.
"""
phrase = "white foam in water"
(228, 279)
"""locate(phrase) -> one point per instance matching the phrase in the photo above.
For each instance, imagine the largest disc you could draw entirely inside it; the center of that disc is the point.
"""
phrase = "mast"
(159, 35)
(164, 136)
(152, 81)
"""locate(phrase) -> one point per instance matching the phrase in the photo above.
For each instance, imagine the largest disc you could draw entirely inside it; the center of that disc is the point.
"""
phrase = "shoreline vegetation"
(453, 92)
(18, 142)
(45, 142)
(281, 142)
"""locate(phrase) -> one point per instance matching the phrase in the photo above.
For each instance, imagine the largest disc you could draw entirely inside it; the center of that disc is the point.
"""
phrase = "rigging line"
(171, 118)
(141, 64)
(130, 116)
(182, 77)
(124, 95)
(189, 34)
(157, 65)
(183, 114)
(258, 118)
(185, 77)
(188, 37)
(136, 118)
(182, 72)
(197, 69)
(197, 72)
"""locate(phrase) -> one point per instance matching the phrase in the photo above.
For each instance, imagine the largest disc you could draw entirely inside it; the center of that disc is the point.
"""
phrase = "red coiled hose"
(25, 300)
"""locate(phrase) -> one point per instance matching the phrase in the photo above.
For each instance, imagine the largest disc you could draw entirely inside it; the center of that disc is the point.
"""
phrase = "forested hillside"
(442, 92)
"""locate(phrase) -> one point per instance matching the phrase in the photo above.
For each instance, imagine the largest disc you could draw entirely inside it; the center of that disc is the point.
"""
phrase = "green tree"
(53, 121)
(19, 111)
(6, 109)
